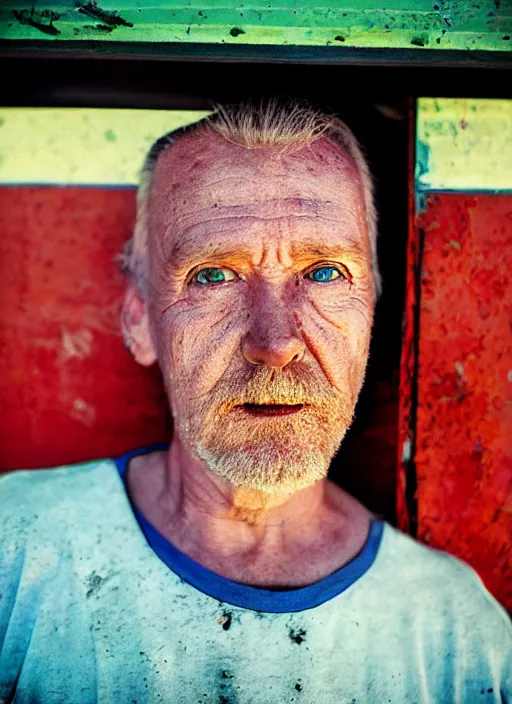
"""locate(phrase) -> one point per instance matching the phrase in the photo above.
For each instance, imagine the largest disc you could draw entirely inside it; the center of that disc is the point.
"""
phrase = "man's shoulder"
(38, 495)
(439, 584)
(419, 565)
(51, 482)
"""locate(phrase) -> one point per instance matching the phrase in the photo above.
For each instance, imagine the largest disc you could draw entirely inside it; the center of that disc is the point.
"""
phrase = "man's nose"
(273, 339)
(278, 353)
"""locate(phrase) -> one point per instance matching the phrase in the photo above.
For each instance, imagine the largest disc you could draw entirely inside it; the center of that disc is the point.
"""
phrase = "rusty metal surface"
(463, 443)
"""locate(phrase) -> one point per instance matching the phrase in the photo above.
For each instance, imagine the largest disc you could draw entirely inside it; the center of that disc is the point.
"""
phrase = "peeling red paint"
(463, 426)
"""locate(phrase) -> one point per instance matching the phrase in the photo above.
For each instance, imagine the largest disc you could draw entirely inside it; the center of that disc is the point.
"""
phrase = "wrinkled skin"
(237, 487)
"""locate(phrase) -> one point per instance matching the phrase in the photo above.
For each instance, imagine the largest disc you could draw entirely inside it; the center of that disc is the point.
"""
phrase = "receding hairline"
(288, 134)
(204, 154)
(287, 128)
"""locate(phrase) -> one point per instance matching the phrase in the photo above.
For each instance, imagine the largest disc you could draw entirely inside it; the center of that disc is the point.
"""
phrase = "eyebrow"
(314, 249)
(183, 257)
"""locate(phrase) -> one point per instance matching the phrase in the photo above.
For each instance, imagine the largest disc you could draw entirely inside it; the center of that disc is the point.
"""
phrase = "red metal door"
(455, 472)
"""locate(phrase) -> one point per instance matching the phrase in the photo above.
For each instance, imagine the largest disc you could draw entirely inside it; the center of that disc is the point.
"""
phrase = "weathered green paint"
(463, 145)
(422, 24)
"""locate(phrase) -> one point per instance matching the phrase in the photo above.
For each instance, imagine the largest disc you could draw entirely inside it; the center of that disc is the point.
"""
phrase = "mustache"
(263, 385)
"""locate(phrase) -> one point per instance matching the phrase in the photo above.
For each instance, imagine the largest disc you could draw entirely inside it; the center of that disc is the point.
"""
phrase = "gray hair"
(287, 127)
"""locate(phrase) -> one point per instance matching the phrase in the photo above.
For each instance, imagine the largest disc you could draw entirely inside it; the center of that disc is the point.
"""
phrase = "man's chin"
(271, 452)
(274, 465)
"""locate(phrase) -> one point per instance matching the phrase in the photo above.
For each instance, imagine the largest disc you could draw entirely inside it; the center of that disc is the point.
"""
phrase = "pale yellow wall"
(88, 146)
(464, 144)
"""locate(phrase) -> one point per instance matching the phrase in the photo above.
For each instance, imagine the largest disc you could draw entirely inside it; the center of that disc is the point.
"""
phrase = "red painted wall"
(458, 344)
(69, 391)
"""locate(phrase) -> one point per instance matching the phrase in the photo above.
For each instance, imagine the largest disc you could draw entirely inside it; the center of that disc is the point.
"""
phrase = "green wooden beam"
(452, 25)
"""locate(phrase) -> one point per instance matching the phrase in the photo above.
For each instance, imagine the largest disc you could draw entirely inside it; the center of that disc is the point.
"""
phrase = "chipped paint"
(89, 146)
(406, 451)
(111, 19)
(462, 25)
(77, 344)
(422, 158)
(42, 21)
(463, 144)
(83, 412)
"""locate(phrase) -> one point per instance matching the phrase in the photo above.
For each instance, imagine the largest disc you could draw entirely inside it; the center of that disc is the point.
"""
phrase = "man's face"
(261, 304)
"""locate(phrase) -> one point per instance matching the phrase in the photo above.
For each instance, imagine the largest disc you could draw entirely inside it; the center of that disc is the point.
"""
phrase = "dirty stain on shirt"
(92, 609)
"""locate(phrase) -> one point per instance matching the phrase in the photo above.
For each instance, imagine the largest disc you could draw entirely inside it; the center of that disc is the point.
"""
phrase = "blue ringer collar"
(241, 595)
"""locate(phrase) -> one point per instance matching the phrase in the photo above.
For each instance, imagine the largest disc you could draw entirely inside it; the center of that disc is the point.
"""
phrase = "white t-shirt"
(91, 612)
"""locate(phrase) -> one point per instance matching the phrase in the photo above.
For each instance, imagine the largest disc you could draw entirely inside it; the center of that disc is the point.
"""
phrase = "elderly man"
(226, 567)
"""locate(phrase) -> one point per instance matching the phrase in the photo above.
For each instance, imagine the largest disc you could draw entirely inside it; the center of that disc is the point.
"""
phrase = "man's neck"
(284, 539)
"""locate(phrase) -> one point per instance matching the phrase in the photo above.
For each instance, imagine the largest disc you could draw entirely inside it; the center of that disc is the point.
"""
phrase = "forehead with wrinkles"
(204, 181)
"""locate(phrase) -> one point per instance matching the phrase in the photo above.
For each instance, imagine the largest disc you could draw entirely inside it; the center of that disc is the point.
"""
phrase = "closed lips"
(272, 409)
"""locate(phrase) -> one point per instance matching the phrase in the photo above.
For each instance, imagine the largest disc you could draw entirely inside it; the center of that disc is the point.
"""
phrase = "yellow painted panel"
(88, 146)
(464, 144)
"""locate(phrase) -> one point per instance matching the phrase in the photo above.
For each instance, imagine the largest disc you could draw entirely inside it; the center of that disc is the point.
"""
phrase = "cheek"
(338, 335)
(198, 340)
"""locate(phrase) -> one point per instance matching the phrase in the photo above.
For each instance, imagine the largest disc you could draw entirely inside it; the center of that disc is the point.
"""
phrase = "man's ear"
(135, 327)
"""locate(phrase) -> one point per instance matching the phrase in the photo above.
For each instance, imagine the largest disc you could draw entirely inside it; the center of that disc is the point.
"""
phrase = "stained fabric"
(89, 612)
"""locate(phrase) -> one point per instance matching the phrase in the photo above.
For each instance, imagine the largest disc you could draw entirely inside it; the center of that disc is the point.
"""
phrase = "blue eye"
(214, 275)
(324, 274)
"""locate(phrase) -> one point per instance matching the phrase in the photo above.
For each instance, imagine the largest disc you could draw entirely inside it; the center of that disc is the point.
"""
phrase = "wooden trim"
(464, 25)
